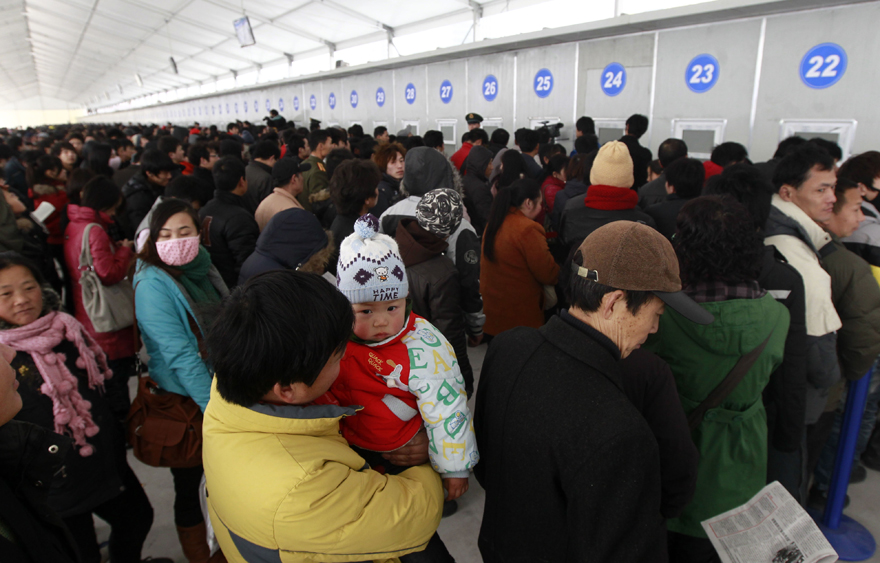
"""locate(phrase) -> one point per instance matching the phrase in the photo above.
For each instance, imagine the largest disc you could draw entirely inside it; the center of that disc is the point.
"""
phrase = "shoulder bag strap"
(727, 385)
(85, 254)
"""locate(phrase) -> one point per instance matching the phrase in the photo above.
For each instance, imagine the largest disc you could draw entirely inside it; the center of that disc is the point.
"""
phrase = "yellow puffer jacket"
(284, 486)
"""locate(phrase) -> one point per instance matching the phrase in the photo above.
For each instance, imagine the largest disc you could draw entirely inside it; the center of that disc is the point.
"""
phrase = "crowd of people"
(665, 337)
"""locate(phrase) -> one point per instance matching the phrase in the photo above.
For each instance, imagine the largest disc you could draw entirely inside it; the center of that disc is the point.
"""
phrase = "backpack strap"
(727, 385)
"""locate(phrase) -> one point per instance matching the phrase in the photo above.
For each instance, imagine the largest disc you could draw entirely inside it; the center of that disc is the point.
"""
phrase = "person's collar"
(591, 332)
(818, 236)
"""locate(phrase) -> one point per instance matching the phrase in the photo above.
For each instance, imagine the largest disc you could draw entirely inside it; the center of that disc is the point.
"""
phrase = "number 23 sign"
(702, 73)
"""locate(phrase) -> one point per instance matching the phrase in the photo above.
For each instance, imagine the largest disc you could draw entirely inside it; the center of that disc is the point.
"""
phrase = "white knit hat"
(370, 267)
(613, 166)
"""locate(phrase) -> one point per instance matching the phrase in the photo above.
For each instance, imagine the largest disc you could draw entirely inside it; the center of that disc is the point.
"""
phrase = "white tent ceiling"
(87, 52)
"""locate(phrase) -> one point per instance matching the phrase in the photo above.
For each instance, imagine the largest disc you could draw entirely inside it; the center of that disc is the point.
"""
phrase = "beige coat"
(277, 201)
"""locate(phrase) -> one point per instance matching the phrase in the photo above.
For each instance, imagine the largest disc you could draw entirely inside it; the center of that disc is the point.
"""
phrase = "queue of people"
(664, 338)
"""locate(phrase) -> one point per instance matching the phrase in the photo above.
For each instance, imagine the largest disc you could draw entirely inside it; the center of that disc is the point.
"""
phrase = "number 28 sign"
(823, 65)
(702, 73)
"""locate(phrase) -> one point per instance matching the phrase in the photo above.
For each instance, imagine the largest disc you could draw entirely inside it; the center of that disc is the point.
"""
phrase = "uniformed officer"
(473, 120)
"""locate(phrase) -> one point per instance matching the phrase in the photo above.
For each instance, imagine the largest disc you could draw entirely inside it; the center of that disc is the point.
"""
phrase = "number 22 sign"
(702, 73)
(823, 65)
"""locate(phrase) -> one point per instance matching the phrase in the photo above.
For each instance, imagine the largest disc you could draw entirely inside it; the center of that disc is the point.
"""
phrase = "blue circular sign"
(245, 104)
(446, 92)
(380, 97)
(543, 83)
(613, 79)
(296, 103)
(313, 102)
(702, 73)
(353, 98)
(213, 110)
(331, 99)
(268, 105)
(256, 106)
(227, 107)
(823, 65)
(409, 93)
(280, 104)
(490, 88)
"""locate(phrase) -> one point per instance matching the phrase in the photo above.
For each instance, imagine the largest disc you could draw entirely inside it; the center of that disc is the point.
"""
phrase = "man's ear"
(785, 192)
(611, 300)
(293, 394)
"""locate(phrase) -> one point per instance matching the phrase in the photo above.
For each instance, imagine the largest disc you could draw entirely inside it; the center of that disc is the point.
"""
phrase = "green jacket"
(732, 439)
(314, 180)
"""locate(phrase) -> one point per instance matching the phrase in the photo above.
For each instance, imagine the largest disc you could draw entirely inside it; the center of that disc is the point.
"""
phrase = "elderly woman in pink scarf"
(61, 372)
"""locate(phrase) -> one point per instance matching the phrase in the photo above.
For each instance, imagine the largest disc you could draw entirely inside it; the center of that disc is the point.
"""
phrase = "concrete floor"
(459, 531)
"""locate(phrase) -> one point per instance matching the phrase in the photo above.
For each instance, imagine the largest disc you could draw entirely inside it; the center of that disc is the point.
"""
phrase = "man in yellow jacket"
(282, 483)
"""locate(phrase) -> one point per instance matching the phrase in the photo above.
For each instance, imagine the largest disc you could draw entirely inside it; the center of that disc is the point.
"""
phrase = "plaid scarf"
(710, 292)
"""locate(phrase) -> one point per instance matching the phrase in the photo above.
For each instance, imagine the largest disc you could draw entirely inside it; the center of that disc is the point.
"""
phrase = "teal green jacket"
(732, 439)
(161, 308)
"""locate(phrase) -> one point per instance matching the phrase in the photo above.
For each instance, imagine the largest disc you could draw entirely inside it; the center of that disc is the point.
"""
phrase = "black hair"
(479, 134)
(230, 126)
(433, 139)
(745, 184)
(282, 327)
(729, 153)
(637, 125)
(587, 295)
(500, 137)
(227, 173)
(337, 136)
(585, 125)
(99, 158)
(830, 147)
(230, 147)
(586, 143)
(295, 142)
(671, 150)
(334, 158)
(353, 182)
(11, 258)
(155, 161)
(787, 145)
(862, 169)
(167, 144)
(529, 140)
(36, 173)
(466, 137)
(510, 196)
(187, 188)
(576, 169)
(794, 169)
(266, 150)
(655, 166)
(356, 131)
(200, 151)
(169, 207)
(100, 194)
(513, 168)
(843, 185)
(686, 175)
(6, 151)
(77, 180)
(550, 149)
(365, 147)
(319, 136)
(558, 163)
(377, 131)
(713, 243)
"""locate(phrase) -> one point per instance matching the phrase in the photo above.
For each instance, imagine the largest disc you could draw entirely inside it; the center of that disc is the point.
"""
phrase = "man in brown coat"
(287, 174)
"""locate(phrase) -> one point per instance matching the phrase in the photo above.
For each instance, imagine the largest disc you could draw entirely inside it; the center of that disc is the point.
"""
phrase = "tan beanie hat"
(613, 166)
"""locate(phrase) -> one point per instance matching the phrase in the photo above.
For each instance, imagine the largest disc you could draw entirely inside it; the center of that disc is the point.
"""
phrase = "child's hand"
(455, 487)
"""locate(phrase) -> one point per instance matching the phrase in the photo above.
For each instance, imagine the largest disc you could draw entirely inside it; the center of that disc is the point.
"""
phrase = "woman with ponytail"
(516, 263)
(60, 373)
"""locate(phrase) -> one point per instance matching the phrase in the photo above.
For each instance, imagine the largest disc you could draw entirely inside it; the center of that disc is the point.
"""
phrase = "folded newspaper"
(771, 528)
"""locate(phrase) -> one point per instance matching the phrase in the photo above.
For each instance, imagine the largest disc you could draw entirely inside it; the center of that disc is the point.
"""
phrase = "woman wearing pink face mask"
(176, 290)
(100, 201)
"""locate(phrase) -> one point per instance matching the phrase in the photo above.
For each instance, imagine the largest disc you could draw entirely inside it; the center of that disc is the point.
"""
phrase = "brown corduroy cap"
(633, 256)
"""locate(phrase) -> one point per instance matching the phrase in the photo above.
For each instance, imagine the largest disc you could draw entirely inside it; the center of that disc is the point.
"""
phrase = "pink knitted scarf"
(39, 338)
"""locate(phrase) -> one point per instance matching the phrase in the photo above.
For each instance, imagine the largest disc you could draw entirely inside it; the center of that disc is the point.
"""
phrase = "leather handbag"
(164, 428)
(727, 385)
(109, 307)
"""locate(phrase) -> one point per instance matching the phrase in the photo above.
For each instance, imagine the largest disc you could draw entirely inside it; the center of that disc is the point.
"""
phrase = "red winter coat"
(111, 265)
(57, 196)
(549, 189)
(460, 155)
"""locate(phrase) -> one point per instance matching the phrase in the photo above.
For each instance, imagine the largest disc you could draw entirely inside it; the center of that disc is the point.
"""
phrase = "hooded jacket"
(803, 242)
(293, 240)
(279, 200)
(57, 196)
(206, 179)
(229, 232)
(732, 438)
(477, 196)
(111, 263)
(140, 194)
(389, 187)
(434, 288)
(283, 485)
(426, 170)
(30, 457)
(260, 184)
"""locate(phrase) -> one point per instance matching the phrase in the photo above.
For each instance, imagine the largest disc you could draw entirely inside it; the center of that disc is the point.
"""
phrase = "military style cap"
(474, 118)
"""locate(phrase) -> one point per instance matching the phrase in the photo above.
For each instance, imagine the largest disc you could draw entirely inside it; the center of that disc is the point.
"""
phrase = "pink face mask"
(178, 251)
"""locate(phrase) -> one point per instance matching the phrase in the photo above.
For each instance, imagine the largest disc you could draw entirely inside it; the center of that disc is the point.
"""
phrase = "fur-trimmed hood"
(46, 189)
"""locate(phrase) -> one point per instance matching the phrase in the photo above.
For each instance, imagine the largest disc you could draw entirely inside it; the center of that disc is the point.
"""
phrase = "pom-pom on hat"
(613, 166)
(370, 267)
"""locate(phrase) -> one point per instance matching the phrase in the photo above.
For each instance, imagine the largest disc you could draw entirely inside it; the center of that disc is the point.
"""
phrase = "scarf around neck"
(71, 412)
(610, 198)
(194, 278)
